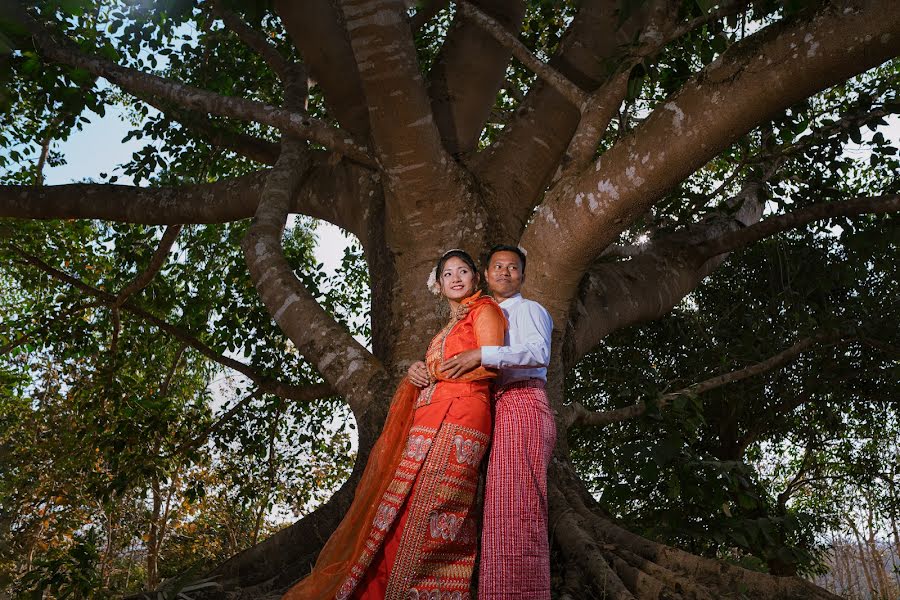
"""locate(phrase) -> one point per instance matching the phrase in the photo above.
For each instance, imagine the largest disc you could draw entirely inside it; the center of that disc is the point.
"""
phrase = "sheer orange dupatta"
(343, 547)
(346, 543)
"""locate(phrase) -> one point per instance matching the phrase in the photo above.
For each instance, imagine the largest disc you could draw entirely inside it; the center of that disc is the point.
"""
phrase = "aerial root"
(580, 548)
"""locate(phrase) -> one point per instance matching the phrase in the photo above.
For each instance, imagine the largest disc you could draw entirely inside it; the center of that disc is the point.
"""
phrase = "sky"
(98, 148)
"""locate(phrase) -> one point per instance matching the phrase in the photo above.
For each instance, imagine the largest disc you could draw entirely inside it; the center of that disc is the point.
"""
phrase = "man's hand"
(418, 374)
(461, 363)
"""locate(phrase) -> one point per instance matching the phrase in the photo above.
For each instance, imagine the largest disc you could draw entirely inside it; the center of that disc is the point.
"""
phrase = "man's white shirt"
(526, 353)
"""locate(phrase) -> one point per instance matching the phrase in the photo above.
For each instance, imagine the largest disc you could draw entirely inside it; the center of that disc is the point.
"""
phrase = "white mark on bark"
(606, 187)
(288, 302)
(399, 170)
(265, 276)
(327, 360)
(645, 159)
(633, 177)
(262, 251)
(547, 213)
(592, 202)
(677, 117)
(813, 45)
(423, 121)
(541, 142)
(579, 198)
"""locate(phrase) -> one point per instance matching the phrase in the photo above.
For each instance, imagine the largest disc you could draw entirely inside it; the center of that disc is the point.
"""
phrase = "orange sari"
(410, 529)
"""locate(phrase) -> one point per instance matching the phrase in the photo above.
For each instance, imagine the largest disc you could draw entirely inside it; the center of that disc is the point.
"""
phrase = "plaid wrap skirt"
(515, 550)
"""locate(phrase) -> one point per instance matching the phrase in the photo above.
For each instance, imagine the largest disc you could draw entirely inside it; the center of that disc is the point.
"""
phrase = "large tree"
(628, 147)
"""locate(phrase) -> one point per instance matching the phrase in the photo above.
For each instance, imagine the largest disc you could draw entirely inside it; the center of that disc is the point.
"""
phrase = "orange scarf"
(346, 543)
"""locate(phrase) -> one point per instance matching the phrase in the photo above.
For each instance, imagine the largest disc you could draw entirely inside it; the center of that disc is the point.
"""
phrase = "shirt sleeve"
(532, 350)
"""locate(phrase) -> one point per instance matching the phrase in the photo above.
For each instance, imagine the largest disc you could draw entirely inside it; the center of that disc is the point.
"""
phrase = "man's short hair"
(505, 248)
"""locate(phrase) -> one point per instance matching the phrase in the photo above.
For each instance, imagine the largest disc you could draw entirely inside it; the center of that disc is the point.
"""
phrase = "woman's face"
(458, 281)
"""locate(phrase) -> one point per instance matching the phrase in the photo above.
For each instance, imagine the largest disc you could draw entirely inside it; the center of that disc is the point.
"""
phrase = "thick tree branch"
(579, 415)
(516, 169)
(802, 216)
(267, 384)
(730, 97)
(403, 131)
(156, 263)
(659, 274)
(253, 39)
(341, 360)
(469, 71)
(336, 193)
(144, 85)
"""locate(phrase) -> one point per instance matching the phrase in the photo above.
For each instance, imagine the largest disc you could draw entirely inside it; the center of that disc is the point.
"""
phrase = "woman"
(410, 532)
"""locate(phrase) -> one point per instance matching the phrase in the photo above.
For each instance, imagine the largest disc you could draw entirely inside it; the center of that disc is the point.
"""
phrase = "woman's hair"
(460, 254)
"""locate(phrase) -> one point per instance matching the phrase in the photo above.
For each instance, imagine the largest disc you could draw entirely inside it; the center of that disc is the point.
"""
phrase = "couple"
(411, 530)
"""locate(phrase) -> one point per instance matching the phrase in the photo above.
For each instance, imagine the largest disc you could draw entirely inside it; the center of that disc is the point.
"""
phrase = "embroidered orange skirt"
(422, 543)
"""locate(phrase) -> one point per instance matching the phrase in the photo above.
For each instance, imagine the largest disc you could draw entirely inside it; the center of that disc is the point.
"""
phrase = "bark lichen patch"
(677, 116)
(813, 45)
(608, 188)
(288, 302)
(633, 177)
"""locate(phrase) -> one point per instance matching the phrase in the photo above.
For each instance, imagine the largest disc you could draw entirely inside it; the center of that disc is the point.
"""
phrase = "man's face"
(504, 274)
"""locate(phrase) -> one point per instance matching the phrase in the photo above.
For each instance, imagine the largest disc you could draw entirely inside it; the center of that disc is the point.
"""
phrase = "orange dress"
(411, 532)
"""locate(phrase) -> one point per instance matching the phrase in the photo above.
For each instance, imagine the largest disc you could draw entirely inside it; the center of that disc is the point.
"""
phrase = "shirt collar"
(511, 300)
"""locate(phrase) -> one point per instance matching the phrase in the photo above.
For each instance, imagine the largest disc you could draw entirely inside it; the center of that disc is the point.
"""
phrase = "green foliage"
(758, 470)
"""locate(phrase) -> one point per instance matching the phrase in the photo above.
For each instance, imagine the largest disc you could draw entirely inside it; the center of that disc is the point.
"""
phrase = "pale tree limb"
(577, 414)
(660, 273)
(156, 263)
(144, 85)
(730, 97)
(317, 32)
(265, 383)
(253, 39)
(802, 216)
(143, 279)
(332, 192)
(468, 72)
(339, 358)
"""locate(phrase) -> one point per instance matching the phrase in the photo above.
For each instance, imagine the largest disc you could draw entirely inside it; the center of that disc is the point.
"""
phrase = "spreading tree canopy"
(704, 189)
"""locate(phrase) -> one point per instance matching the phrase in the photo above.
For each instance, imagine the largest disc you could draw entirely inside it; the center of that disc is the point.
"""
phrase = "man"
(515, 554)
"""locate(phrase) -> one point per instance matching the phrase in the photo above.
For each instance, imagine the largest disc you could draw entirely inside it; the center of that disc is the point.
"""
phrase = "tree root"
(621, 564)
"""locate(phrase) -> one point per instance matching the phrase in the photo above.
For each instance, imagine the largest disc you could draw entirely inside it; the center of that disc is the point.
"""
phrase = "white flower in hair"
(433, 286)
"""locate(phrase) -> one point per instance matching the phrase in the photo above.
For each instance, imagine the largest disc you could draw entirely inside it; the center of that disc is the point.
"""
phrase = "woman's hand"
(418, 374)
(461, 363)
